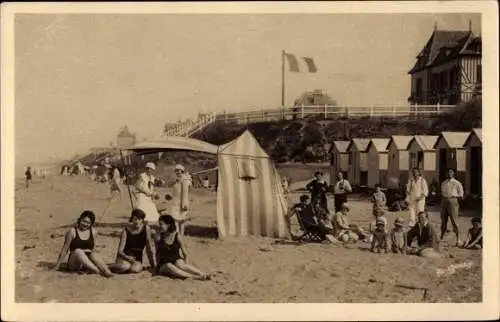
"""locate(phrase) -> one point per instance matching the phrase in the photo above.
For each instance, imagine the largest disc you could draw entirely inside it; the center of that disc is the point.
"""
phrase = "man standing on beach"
(451, 191)
(340, 190)
(416, 192)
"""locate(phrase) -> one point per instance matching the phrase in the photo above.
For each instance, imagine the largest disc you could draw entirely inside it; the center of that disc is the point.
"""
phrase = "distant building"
(125, 139)
(448, 69)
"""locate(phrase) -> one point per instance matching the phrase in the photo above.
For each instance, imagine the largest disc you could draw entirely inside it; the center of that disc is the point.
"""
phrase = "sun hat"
(345, 205)
(180, 167)
(150, 165)
(379, 221)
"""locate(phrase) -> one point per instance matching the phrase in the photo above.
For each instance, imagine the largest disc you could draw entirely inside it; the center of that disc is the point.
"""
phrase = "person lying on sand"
(134, 239)
(171, 256)
(475, 235)
(345, 232)
(80, 241)
(426, 236)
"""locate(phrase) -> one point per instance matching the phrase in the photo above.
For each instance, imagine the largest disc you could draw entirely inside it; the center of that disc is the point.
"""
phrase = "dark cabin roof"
(445, 45)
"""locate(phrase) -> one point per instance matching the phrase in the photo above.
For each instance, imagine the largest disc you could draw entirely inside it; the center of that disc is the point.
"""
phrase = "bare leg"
(136, 268)
(103, 268)
(78, 258)
(171, 269)
(189, 268)
(120, 267)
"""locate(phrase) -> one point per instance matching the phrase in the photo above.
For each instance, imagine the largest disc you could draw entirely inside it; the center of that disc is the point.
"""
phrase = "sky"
(79, 78)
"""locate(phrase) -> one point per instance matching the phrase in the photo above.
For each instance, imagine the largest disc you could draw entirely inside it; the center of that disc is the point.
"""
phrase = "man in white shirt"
(340, 190)
(451, 191)
(416, 192)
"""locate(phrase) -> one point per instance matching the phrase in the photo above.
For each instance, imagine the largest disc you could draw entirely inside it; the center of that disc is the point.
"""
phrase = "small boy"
(380, 236)
(379, 214)
(398, 237)
(475, 235)
(378, 199)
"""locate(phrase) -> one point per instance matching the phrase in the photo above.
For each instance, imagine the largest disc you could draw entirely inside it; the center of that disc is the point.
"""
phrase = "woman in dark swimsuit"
(134, 239)
(168, 252)
(80, 242)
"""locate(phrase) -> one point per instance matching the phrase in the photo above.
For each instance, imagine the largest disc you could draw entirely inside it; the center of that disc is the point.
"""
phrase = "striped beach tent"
(250, 198)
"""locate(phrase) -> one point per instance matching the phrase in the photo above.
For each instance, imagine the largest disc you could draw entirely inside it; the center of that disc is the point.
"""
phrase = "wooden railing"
(326, 112)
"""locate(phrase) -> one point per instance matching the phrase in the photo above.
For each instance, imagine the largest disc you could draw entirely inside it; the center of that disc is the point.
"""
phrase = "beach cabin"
(358, 162)
(377, 162)
(474, 174)
(339, 159)
(423, 156)
(399, 161)
(451, 154)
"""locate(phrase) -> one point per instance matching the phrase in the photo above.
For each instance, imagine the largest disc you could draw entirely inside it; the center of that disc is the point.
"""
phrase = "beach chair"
(308, 234)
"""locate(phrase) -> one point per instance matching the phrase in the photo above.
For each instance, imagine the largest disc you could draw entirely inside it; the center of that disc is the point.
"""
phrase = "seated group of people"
(313, 217)
(137, 237)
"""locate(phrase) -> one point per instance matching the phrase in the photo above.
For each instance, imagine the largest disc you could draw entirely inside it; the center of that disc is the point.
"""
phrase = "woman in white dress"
(144, 193)
(180, 197)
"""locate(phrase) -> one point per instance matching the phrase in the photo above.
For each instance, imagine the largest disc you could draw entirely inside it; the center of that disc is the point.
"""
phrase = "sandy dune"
(252, 269)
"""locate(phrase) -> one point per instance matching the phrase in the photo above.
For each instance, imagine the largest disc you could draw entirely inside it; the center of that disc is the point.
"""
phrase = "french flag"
(301, 64)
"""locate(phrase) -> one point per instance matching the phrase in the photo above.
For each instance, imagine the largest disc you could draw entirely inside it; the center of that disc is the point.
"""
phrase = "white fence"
(326, 112)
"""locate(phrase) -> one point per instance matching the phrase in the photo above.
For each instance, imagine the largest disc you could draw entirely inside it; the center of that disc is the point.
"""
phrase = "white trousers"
(414, 208)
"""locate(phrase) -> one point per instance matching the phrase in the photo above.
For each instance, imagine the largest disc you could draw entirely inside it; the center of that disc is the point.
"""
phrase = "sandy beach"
(250, 269)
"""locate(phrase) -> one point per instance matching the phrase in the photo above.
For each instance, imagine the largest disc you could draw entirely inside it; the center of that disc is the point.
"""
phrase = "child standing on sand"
(398, 237)
(378, 199)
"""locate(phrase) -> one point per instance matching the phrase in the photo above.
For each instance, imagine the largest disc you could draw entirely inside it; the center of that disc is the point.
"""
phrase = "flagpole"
(283, 79)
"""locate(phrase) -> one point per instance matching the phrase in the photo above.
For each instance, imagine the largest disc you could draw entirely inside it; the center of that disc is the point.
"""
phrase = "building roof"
(400, 141)
(453, 139)
(477, 132)
(341, 146)
(379, 144)
(360, 144)
(445, 45)
(426, 142)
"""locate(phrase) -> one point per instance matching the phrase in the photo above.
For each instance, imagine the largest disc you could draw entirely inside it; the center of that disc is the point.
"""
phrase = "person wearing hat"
(343, 231)
(475, 235)
(180, 197)
(380, 237)
(144, 193)
(398, 237)
(134, 239)
(318, 188)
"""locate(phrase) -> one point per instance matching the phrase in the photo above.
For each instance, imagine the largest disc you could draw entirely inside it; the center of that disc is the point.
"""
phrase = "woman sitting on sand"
(134, 239)
(80, 242)
(169, 247)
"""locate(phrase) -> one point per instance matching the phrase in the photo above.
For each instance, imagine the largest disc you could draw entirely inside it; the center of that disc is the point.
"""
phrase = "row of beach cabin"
(388, 161)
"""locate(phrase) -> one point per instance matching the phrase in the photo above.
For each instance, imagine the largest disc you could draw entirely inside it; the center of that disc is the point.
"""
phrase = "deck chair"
(308, 234)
